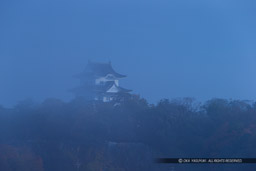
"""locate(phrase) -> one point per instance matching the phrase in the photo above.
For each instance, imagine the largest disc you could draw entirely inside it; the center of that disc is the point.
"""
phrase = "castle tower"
(100, 82)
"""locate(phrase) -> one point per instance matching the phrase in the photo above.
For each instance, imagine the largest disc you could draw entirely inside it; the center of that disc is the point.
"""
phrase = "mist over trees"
(83, 136)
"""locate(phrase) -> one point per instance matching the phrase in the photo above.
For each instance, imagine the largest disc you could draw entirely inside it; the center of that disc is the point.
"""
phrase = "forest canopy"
(82, 135)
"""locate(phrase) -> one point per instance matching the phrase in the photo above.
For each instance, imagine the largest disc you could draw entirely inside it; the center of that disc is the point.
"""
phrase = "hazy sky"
(168, 48)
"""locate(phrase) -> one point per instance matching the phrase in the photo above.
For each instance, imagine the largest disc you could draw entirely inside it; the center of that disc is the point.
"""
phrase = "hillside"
(84, 136)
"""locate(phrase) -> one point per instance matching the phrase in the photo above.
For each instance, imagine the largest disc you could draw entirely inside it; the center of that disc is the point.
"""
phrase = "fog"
(168, 49)
(190, 66)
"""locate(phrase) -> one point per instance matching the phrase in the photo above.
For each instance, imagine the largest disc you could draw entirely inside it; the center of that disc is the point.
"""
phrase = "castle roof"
(99, 70)
(101, 88)
(108, 85)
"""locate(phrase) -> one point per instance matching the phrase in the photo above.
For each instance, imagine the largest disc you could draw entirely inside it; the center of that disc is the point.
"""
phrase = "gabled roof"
(99, 88)
(99, 70)
(109, 84)
(118, 88)
(121, 89)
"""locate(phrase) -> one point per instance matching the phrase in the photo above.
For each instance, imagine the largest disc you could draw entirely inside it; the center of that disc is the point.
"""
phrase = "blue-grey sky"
(168, 48)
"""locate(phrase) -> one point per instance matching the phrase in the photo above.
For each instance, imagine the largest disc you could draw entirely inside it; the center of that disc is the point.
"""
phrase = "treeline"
(129, 135)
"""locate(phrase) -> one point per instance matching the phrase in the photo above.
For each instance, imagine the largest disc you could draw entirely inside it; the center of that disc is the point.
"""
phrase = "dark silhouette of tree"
(124, 135)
